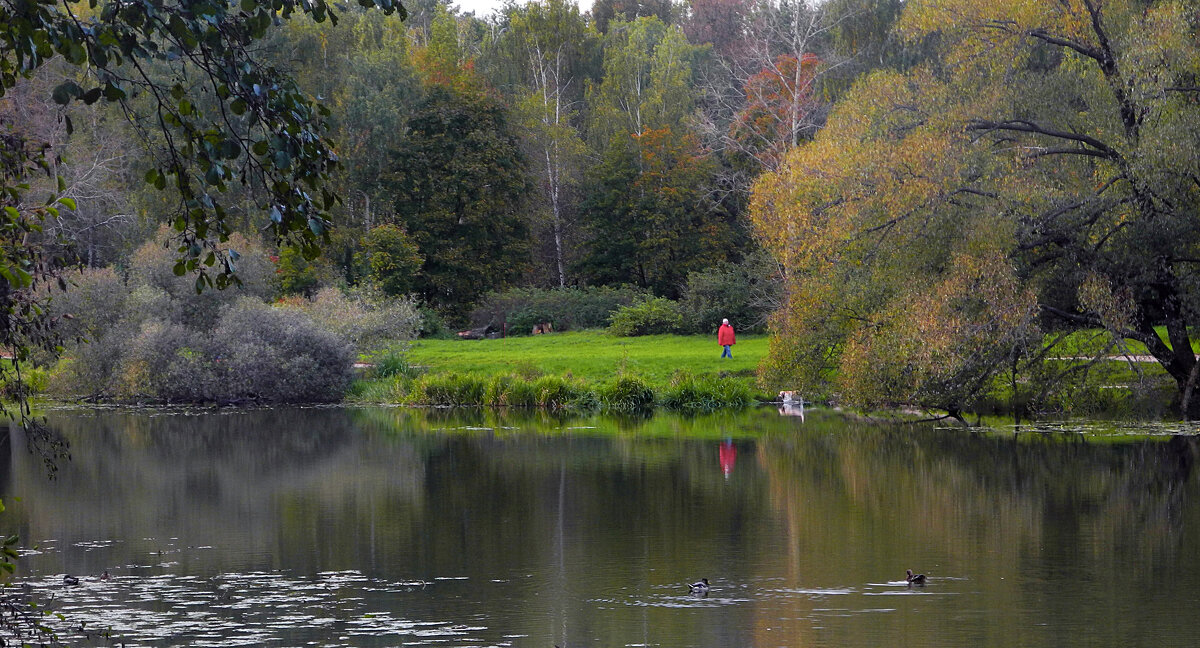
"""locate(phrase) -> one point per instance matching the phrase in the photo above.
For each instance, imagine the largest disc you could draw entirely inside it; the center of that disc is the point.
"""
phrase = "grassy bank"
(575, 370)
(592, 356)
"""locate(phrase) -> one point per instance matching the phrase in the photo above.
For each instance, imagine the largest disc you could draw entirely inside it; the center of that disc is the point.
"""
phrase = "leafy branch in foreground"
(186, 75)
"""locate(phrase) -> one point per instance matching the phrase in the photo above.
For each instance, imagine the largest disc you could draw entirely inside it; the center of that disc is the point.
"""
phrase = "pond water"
(393, 527)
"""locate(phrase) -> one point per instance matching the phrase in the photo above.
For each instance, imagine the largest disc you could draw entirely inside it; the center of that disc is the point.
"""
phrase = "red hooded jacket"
(725, 335)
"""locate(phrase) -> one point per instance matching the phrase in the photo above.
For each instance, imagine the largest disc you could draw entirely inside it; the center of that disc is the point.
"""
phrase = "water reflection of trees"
(575, 511)
(214, 479)
(1018, 515)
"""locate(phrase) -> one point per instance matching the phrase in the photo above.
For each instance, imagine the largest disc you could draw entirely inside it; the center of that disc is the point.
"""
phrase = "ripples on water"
(347, 607)
(227, 531)
(246, 609)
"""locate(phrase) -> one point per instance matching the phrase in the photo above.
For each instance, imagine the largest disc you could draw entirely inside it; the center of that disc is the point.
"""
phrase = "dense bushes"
(742, 293)
(690, 393)
(152, 337)
(565, 308)
(151, 267)
(253, 353)
(625, 394)
(745, 294)
(364, 317)
(646, 317)
(545, 392)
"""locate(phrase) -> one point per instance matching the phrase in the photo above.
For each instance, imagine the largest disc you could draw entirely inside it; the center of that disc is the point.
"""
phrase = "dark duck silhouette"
(915, 579)
(700, 587)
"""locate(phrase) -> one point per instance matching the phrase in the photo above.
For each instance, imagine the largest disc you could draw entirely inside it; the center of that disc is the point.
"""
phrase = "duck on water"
(914, 579)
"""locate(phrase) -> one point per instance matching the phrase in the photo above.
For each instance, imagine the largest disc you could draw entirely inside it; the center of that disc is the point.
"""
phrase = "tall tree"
(362, 66)
(459, 185)
(720, 23)
(649, 207)
(648, 71)
(780, 109)
(605, 12)
(1041, 174)
(647, 216)
(550, 41)
(762, 97)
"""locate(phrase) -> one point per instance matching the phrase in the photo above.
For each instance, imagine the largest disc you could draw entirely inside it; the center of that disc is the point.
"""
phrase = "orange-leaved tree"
(780, 109)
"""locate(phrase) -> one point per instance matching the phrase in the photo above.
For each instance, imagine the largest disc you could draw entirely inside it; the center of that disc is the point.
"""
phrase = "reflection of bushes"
(1103, 388)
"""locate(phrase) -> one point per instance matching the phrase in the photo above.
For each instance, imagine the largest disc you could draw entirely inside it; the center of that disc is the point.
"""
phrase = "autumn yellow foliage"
(1033, 175)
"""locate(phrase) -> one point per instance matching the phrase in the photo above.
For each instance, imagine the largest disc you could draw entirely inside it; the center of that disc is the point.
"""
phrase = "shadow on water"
(387, 526)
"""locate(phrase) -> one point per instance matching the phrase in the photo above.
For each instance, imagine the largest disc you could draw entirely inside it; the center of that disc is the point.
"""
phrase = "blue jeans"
(727, 353)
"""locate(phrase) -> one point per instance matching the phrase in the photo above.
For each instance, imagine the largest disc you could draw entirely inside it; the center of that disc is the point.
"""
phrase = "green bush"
(33, 380)
(385, 390)
(432, 325)
(627, 394)
(300, 276)
(393, 259)
(565, 308)
(448, 390)
(555, 392)
(510, 391)
(647, 317)
(393, 361)
(690, 393)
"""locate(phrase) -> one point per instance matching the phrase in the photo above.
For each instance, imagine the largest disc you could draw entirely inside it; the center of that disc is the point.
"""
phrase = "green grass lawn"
(591, 355)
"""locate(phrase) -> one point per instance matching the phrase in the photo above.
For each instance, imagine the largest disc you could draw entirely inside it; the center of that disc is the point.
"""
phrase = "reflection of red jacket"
(725, 335)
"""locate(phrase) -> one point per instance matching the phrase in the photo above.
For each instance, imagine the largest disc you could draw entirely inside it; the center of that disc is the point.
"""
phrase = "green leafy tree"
(605, 12)
(646, 213)
(549, 42)
(647, 80)
(298, 275)
(393, 259)
(363, 66)
(459, 188)
(648, 207)
(1039, 176)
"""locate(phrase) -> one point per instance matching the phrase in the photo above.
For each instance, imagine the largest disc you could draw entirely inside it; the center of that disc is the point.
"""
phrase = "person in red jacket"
(726, 338)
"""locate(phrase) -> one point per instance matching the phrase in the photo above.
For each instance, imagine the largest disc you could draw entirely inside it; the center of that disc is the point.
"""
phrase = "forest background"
(607, 154)
(672, 163)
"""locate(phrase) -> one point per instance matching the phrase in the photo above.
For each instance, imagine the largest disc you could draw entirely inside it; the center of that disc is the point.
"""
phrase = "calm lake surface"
(392, 527)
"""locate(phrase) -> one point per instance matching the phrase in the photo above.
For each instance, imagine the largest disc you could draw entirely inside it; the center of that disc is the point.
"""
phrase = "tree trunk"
(1178, 359)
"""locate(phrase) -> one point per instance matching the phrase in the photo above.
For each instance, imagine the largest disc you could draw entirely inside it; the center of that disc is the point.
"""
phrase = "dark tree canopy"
(459, 185)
